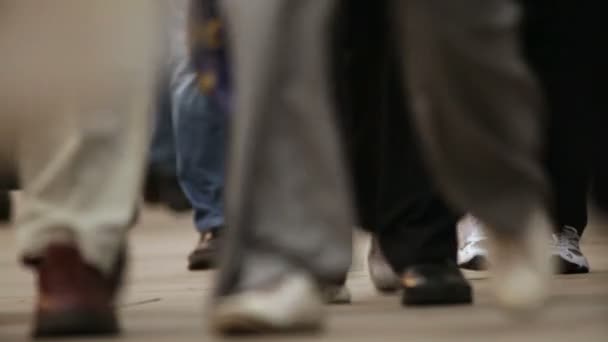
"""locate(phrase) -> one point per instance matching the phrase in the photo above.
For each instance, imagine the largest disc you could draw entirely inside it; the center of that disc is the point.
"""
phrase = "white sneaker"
(380, 272)
(293, 304)
(566, 252)
(473, 255)
(565, 248)
(520, 267)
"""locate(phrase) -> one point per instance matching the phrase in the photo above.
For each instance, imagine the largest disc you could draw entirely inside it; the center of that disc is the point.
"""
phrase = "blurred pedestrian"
(396, 198)
(479, 113)
(559, 46)
(199, 91)
(76, 86)
(288, 199)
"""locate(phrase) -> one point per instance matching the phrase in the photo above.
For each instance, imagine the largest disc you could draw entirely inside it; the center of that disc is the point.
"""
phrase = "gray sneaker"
(566, 252)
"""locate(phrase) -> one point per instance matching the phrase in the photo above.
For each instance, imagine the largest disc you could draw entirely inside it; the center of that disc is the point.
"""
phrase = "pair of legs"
(288, 197)
(395, 196)
(80, 137)
(188, 152)
(189, 143)
(556, 53)
(200, 128)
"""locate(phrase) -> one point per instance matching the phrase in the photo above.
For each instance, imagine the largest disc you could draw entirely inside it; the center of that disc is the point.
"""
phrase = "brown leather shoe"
(205, 253)
(74, 298)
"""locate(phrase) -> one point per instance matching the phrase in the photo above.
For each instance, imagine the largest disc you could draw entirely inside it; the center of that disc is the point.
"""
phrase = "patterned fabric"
(208, 50)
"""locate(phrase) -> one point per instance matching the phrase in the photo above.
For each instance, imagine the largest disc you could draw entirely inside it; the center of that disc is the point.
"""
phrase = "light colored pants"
(287, 198)
(75, 86)
(477, 106)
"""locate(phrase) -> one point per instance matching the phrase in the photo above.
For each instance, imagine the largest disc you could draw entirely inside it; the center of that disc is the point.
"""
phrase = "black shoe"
(205, 253)
(5, 207)
(435, 284)
(161, 188)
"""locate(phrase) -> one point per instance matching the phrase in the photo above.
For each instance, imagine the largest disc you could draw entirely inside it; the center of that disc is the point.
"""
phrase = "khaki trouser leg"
(80, 79)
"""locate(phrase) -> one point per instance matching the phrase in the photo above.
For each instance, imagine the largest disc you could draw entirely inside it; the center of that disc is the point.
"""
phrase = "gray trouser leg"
(476, 105)
(287, 197)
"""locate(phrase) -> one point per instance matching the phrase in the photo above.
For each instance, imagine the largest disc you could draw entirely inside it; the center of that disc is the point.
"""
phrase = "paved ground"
(165, 302)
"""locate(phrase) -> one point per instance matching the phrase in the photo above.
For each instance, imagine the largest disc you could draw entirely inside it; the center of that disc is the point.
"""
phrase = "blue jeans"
(200, 126)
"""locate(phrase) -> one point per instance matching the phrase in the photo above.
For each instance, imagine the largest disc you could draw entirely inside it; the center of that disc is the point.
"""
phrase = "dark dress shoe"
(205, 253)
(74, 298)
(164, 189)
(435, 284)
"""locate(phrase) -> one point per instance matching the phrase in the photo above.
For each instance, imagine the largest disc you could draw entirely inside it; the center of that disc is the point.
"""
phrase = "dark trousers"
(5, 206)
(394, 194)
(557, 51)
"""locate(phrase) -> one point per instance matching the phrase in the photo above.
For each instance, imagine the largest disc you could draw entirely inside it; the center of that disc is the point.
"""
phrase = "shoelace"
(568, 238)
(476, 234)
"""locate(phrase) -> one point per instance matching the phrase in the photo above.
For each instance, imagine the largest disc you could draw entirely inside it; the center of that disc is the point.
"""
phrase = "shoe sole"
(477, 263)
(55, 325)
(566, 267)
(201, 262)
(238, 325)
(480, 263)
(443, 295)
(339, 301)
(201, 266)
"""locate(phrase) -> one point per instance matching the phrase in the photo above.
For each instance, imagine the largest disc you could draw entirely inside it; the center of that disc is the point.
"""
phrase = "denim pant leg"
(200, 131)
